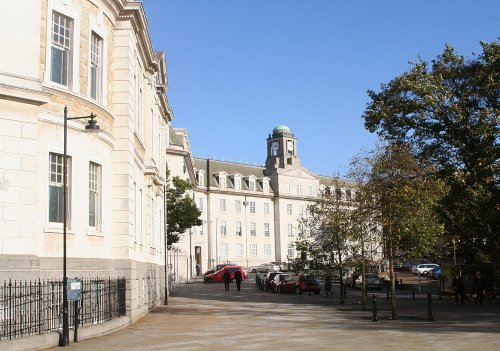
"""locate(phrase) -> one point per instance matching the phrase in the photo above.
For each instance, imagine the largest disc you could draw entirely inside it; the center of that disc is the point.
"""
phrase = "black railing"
(35, 307)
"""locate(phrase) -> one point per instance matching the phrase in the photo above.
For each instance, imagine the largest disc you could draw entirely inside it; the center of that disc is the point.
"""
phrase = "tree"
(182, 212)
(401, 197)
(447, 112)
(328, 231)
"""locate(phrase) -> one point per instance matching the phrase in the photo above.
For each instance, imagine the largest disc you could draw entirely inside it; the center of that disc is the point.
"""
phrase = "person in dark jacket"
(238, 277)
(458, 285)
(479, 288)
(227, 279)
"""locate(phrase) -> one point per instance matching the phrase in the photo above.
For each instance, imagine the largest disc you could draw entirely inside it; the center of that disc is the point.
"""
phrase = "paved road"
(205, 317)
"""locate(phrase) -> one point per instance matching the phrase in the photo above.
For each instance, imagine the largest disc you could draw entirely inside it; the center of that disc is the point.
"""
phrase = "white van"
(426, 268)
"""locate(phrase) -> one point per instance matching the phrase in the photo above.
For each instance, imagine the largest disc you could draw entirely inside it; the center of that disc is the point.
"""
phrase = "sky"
(237, 69)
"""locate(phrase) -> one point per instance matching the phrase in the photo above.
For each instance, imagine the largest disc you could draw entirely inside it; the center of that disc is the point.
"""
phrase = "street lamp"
(90, 127)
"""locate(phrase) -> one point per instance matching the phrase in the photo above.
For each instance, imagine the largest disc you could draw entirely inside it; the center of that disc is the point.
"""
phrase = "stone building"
(93, 56)
(250, 213)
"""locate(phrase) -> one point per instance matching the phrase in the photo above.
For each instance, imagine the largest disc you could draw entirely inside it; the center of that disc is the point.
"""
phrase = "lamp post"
(90, 127)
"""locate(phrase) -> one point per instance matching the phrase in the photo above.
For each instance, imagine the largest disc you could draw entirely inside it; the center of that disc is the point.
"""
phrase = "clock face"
(290, 145)
(274, 146)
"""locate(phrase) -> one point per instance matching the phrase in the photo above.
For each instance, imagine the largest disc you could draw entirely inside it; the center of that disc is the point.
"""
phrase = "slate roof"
(230, 168)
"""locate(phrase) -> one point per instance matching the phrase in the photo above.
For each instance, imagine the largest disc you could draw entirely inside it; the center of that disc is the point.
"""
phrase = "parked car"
(372, 281)
(435, 273)
(218, 267)
(264, 268)
(425, 268)
(217, 276)
(300, 284)
(282, 265)
(269, 279)
(278, 279)
(405, 266)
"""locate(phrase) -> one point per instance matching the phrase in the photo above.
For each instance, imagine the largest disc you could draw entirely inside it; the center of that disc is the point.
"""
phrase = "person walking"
(238, 277)
(227, 279)
(458, 286)
(198, 268)
(328, 286)
(479, 288)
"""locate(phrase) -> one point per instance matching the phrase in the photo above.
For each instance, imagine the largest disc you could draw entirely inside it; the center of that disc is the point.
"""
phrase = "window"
(201, 229)
(265, 187)
(266, 208)
(223, 249)
(266, 229)
(56, 188)
(239, 250)
(237, 183)
(152, 219)
(61, 50)
(251, 185)
(253, 229)
(310, 190)
(301, 210)
(238, 228)
(223, 228)
(95, 83)
(291, 251)
(201, 179)
(223, 207)
(253, 249)
(237, 204)
(299, 189)
(94, 195)
(290, 230)
(267, 250)
(252, 206)
(222, 182)
(288, 209)
(200, 203)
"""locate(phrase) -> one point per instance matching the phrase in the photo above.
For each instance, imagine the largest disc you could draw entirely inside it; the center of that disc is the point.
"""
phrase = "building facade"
(93, 56)
(251, 214)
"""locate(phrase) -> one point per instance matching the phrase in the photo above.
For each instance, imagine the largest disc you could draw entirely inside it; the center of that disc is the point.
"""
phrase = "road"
(205, 317)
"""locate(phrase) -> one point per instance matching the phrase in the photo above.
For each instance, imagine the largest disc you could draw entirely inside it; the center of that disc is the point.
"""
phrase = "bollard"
(429, 308)
(375, 317)
(413, 292)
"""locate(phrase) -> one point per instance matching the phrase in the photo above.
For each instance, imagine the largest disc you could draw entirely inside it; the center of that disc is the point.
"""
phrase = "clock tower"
(281, 150)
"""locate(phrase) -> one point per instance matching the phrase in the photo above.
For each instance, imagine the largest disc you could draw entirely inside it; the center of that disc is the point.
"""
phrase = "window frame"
(60, 184)
(97, 179)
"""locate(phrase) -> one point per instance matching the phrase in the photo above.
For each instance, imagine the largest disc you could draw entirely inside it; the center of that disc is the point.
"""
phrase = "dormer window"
(237, 183)
(222, 181)
(265, 187)
(251, 184)
(201, 178)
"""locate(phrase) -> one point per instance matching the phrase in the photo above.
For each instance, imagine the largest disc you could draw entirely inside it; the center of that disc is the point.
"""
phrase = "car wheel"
(210, 280)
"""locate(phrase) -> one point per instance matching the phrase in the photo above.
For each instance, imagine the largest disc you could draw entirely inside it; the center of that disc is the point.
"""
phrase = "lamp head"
(92, 125)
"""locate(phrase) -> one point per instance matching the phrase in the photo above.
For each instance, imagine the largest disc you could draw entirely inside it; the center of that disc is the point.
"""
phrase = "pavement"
(205, 317)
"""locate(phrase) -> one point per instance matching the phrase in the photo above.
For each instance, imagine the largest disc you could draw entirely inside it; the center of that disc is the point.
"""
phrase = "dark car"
(300, 284)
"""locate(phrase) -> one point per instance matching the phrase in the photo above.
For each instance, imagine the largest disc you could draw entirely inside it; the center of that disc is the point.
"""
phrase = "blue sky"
(236, 69)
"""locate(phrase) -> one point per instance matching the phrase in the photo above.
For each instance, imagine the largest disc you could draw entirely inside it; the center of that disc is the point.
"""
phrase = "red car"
(217, 276)
(301, 283)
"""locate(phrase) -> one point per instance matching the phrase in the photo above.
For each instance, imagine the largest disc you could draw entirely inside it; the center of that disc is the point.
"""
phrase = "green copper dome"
(281, 129)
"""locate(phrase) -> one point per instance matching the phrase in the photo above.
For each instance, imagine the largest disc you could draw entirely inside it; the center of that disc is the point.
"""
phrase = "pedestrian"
(238, 277)
(328, 286)
(227, 279)
(479, 288)
(198, 267)
(458, 285)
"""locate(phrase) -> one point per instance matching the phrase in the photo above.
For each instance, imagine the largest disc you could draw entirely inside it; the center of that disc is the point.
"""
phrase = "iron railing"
(35, 307)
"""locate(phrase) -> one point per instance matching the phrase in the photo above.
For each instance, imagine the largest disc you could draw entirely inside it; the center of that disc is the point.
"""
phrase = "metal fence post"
(430, 317)
(375, 316)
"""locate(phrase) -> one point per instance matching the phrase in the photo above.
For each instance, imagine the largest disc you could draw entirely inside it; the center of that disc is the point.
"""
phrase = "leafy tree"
(327, 233)
(448, 111)
(401, 197)
(182, 212)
